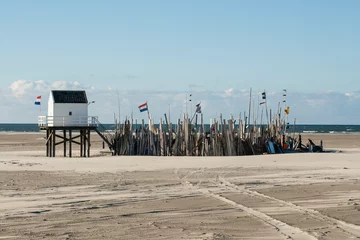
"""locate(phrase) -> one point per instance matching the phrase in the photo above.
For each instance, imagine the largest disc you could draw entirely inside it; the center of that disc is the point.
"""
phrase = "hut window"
(70, 113)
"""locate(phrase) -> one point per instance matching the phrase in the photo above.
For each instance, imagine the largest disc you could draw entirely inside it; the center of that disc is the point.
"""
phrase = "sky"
(162, 51)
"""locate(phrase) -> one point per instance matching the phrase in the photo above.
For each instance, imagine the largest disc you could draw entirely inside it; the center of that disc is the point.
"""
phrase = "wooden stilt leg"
(54, 141)
(81, 143)
(70, 141)
(47, 142)
(64, 131)
(50, 143)
(88, 141)
(85, 140)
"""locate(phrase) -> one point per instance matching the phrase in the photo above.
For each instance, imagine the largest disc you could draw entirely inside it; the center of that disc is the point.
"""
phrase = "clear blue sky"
(169, 45)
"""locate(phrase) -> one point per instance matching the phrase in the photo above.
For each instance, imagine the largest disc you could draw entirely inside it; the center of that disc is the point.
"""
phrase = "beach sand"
(287, 196)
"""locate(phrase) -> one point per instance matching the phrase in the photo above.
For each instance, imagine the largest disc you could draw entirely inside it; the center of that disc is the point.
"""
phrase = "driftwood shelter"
(68, 120)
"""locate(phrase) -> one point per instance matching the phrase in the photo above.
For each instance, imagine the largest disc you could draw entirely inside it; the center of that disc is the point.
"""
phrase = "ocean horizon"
(301, 128)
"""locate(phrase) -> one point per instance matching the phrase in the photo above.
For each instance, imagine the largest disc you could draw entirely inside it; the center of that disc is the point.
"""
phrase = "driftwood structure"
(224, 138)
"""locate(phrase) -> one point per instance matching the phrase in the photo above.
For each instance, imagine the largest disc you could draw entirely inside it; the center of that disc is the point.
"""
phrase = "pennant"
(143, 107)
(287, 110)
(198, 108)
(263, 95)
(38, 100)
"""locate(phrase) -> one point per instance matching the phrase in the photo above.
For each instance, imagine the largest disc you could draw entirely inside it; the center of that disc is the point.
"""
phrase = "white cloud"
(60, 85)
(353, 95)
(20, 87)
(229, 92)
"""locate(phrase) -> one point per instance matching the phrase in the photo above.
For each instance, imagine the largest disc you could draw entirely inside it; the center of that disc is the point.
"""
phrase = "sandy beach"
(287, 196)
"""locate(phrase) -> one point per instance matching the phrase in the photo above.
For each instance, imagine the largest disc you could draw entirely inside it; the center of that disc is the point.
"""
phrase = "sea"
(301, 128)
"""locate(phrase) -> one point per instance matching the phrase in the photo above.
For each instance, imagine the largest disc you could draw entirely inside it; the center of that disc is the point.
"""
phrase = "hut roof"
(69, 96)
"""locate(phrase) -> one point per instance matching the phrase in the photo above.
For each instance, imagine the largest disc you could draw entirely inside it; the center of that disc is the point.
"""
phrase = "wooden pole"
(203, 135)
(64, 132)
(81, 143)
(161, 139)
(294, 128)
(85, 140)
(70, 141)
(147, 106)
(47, 142)
(267, 114)
(88, 140)
(50, 142)
(53, 142)
(249, 116)
(187, 137)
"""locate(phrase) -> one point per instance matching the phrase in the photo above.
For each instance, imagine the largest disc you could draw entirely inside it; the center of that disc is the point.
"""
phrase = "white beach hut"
(67, 108)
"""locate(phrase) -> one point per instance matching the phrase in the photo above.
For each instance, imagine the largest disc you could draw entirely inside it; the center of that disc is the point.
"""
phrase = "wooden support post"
(81, 143)
(85, 140)
(162, 149)
(50, 143)
(203, 135)
(47, 142)
(64, 131)
(88, 140)
(70, 141)
(53, 142)
(215, 141)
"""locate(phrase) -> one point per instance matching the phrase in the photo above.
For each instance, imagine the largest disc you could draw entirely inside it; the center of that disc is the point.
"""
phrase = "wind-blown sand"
(289, 196)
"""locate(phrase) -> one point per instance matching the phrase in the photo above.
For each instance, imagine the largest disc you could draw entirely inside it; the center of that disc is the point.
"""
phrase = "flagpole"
(258, 106)
(193, 117)
(266, 107)
(186, 105)
(118, 98)
(196, 111)
(285, 109)
(147, 110)
(249, 117)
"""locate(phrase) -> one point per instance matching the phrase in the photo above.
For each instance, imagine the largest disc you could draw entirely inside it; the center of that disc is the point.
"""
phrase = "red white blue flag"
(143, 107)
(38, 100)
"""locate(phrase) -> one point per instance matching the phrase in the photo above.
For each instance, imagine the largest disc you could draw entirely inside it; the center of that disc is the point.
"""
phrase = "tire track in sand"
(289, 232)
(349, 228)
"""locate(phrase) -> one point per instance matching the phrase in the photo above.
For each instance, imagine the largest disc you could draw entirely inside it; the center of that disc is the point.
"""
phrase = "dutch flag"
(143, 107)
(38, 100)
